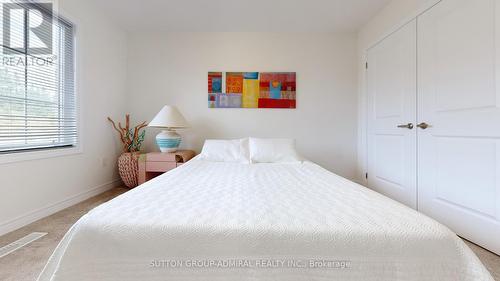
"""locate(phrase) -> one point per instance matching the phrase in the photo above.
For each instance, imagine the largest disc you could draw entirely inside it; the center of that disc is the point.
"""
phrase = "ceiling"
(241, 15)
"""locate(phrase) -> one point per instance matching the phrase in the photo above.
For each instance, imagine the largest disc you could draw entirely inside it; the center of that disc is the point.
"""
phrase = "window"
(37, 89)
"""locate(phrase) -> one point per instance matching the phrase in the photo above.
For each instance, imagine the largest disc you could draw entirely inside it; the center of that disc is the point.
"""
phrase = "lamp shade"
(169, 117)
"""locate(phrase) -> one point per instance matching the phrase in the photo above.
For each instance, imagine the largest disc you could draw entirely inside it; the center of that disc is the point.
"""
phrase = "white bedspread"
(226, 221)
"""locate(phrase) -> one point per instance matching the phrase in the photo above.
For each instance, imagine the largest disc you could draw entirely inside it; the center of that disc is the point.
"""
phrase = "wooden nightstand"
(156, 163)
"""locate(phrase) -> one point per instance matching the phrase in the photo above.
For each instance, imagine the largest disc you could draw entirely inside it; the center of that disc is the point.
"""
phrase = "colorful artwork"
(234, 82)
(251, 90)
(215, 82)
(221, 100)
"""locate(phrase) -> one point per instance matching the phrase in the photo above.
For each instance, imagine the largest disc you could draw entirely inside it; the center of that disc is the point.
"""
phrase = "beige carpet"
(26, 263)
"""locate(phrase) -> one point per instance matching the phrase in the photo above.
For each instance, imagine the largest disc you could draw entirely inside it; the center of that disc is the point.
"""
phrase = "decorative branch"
(131, 140)
(127, 121)
(137, 129)
(122, 137)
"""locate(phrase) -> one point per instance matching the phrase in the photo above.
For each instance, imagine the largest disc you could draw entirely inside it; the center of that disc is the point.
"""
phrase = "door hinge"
(366, 175)
(366, 65)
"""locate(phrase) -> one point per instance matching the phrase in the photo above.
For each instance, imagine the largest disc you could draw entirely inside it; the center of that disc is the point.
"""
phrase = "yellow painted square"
(250, 98)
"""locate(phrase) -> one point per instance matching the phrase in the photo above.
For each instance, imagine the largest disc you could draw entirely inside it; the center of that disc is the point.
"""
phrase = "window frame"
(51, 152)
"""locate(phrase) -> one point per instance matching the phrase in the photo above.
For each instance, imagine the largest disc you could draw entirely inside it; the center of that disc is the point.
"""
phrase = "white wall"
(171, 68)
(388, 20)
(32, 189)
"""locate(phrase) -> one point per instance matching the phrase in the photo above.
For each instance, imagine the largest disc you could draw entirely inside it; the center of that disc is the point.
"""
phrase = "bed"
(269, 221)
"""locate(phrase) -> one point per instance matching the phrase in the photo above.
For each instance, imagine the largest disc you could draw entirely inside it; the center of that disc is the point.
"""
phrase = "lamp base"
(168, 141)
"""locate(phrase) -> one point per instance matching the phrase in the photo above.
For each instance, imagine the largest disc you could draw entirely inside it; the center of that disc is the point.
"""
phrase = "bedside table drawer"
(160, 166)
(160, 157)
(153, 164)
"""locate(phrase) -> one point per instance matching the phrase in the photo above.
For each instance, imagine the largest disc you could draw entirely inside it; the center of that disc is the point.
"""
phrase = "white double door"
(434, 117)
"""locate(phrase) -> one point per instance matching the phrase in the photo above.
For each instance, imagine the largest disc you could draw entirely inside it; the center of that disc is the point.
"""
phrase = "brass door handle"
(407, 126)
(423, 125)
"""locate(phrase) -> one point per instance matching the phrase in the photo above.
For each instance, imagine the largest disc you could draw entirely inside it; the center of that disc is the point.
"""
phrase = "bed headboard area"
(323, 121)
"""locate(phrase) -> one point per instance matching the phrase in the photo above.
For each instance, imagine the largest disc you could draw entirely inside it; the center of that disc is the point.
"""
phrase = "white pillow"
(226, 151)
(273, 150)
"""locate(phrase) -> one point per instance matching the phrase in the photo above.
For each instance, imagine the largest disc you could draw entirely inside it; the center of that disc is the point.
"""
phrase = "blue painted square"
(250, 75)
(216, 85)
(275, 92)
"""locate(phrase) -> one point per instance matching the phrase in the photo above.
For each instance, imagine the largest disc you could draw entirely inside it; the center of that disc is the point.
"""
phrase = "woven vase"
(128, 167)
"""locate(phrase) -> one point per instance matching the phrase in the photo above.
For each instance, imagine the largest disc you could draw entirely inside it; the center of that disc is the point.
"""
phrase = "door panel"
(389, 152)
(391, 89)
(480, 164)
(458, 96)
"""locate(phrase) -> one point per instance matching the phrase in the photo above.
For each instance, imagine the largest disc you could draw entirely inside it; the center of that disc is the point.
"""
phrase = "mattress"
(227, 221)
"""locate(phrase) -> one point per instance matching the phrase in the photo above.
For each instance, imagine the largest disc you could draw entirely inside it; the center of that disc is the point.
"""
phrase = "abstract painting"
(251, 89)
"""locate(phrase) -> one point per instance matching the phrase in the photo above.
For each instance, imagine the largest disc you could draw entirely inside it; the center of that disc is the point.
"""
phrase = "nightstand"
(153, 164)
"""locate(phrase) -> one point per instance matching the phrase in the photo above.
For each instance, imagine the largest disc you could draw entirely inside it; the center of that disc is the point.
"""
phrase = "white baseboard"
(46, 211)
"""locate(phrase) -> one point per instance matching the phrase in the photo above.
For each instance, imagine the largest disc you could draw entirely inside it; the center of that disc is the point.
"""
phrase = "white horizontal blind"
(37, 89)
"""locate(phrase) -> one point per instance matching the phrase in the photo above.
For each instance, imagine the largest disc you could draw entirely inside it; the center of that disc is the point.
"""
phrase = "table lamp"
(169, 118)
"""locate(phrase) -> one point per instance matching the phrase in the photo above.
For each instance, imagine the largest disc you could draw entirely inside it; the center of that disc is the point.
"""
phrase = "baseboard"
(35, 215)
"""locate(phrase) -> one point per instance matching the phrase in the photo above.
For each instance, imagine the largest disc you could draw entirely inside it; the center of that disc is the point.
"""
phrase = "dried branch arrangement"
(131, 138)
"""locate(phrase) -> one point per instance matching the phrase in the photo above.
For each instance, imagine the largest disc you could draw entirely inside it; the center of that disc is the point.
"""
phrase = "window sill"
(37, 155)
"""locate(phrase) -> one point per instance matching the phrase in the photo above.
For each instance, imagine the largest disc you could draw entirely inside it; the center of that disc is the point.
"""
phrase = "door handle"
(423, 125)
(407, 126)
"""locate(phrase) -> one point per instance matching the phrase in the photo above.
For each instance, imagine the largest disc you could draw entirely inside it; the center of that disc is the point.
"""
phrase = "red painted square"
(276, 103)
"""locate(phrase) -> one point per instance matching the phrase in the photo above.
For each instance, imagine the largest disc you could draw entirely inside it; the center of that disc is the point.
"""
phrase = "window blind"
(37, 88)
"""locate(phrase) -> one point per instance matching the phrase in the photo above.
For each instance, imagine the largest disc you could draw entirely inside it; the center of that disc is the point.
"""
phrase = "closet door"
(459, 100)
(391, 89)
